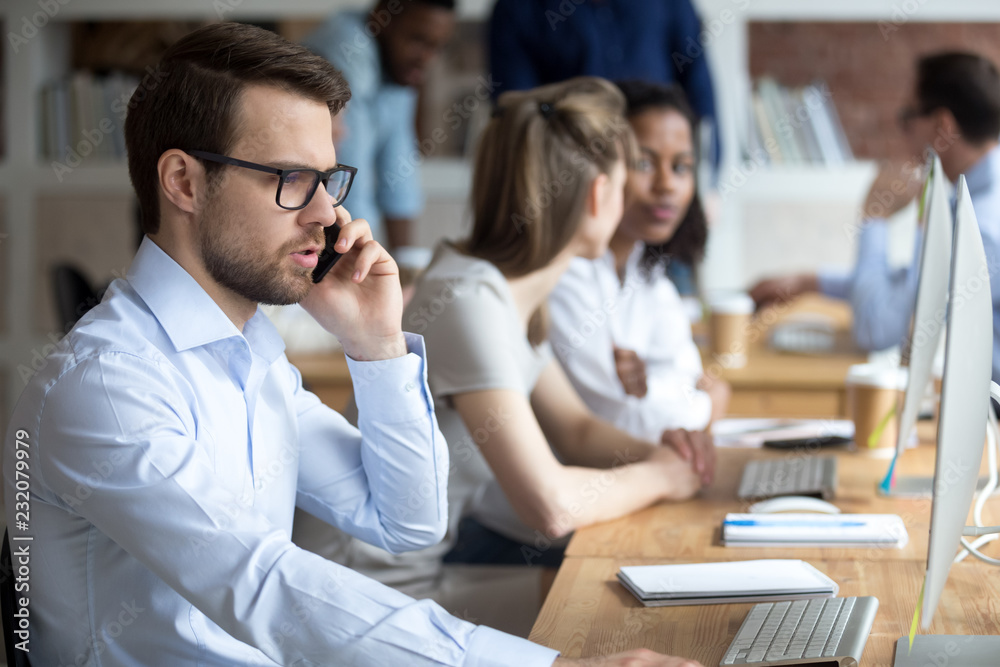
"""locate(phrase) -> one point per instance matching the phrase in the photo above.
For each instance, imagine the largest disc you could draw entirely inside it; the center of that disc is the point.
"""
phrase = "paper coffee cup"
(872, 396)
(728, 326)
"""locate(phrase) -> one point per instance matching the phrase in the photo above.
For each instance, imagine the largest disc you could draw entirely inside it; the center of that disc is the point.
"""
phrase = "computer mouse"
(793, 504)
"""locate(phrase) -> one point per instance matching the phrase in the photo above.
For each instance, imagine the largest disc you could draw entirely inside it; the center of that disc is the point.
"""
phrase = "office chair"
(73, 293)
(14, 658)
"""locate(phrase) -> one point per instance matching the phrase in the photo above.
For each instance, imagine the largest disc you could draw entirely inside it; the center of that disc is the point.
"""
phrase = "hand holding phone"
(329, 256)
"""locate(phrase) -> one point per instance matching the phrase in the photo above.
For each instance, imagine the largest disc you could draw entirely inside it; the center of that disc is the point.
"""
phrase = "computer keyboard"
(790, 476)
(822, 631)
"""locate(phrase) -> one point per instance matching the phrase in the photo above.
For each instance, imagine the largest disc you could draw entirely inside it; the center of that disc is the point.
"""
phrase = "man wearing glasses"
(954, 110)
(153, 465)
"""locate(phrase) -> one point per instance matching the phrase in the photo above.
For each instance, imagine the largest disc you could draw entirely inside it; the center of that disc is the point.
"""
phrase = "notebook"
(814, 530)
(730, 581)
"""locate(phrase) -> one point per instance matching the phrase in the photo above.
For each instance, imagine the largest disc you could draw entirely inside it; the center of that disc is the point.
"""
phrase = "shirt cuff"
(834, 283)
(393, 387)
(492, 648)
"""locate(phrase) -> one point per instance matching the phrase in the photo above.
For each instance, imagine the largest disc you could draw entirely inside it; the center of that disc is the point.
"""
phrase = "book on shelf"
(797, 125)
(83, 115)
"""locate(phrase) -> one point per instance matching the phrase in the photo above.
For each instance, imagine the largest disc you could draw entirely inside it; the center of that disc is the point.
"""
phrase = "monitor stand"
(948, 651)
(918, 487)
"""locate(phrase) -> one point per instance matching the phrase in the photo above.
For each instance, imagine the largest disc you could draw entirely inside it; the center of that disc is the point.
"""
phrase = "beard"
(241, 263)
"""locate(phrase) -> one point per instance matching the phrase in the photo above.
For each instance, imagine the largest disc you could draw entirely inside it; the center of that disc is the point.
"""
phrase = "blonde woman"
(529, 462)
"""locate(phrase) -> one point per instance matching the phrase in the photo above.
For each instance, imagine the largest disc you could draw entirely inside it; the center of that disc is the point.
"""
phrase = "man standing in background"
(384, 55)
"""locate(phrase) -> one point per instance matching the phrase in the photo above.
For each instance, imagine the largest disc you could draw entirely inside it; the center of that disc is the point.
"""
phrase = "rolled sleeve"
(834, 283)
(395, 488)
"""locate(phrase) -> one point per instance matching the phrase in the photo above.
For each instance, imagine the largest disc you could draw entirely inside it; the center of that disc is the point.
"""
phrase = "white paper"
(851, 530)
(743, 579)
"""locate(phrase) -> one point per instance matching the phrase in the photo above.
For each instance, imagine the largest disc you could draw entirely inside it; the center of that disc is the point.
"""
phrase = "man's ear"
(596, 194)
(182, 180)
(947, 126)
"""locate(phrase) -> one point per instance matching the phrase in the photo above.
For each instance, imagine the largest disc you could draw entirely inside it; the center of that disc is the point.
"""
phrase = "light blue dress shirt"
(379, 139)
(167, 452)
(882, 298)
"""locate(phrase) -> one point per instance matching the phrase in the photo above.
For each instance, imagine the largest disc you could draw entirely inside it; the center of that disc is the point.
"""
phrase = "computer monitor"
(965, 392)
(932, 294)
(927, 324)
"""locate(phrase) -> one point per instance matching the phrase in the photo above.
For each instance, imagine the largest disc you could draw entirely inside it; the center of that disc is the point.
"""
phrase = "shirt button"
(410, 386)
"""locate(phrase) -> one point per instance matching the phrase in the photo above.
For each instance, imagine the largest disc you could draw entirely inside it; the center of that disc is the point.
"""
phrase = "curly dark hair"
(687, 245)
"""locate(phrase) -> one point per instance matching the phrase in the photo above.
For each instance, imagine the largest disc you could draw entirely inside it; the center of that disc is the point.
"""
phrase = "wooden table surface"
(690, 529)
(588, 613)
(791, 385)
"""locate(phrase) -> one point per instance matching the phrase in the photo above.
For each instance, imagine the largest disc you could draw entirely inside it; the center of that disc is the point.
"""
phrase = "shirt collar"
(984, 173)
(188, 315)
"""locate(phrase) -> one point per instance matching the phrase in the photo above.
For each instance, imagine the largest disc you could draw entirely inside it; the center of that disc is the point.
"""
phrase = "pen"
(799, 523)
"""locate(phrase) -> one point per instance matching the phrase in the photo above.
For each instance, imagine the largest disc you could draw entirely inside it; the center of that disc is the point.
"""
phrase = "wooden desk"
(777, 384)
(690, 530)
(588, 613)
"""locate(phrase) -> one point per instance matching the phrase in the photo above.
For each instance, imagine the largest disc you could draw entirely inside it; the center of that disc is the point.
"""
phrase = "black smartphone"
(329, 256)
(820, 441)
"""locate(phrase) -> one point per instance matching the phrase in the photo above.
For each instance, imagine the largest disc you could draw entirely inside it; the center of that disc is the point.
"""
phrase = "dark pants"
(478, 545)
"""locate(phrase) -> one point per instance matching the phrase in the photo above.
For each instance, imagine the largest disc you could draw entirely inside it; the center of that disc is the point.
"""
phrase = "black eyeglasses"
(296, 187)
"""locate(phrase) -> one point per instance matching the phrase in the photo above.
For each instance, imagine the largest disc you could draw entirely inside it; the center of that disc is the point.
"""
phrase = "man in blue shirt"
(154, 463)
(384, 55)
(954, 110)
(534, 42)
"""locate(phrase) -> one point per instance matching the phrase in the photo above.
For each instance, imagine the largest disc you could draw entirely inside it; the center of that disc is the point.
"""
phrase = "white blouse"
(593, 311)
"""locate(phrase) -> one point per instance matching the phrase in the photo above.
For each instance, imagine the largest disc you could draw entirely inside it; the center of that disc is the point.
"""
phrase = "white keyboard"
(803, 632)
(791, 476)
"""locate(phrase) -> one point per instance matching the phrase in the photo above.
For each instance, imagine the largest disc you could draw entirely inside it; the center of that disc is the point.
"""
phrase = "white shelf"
(97, 10)
(89, 176)
(444, 178)
(897, 11)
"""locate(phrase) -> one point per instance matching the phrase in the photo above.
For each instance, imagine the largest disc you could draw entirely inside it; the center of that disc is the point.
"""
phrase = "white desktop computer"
(961, 434)
(928, 319)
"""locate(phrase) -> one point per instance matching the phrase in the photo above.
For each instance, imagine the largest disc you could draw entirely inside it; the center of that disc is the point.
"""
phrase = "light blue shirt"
(379, 139)
(882, 298)
(166, 454)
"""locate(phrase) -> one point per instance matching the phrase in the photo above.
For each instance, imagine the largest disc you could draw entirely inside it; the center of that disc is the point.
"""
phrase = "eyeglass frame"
(322, 176)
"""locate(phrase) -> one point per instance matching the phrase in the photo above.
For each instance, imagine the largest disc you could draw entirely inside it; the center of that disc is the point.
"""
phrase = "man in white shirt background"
(153, 465)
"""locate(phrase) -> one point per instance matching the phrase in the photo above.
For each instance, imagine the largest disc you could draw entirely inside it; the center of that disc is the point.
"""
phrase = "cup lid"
(877, 375)
(732, 303)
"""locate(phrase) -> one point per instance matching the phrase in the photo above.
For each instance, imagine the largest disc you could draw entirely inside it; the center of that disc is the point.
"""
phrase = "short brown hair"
(536, 159)
(194, 100)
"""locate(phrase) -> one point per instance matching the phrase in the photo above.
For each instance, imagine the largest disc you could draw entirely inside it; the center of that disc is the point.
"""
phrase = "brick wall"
(869, 67)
